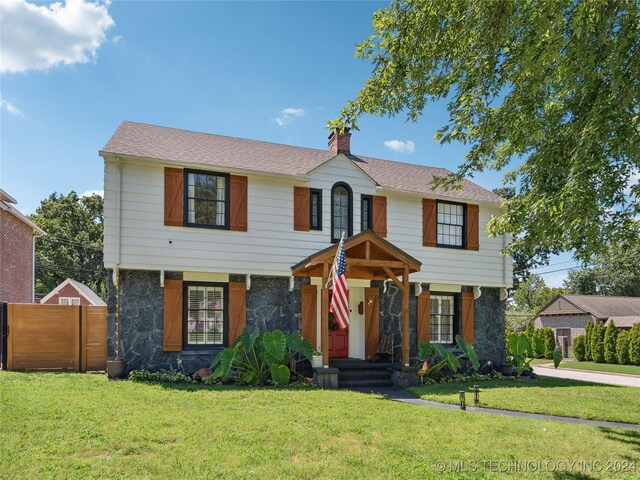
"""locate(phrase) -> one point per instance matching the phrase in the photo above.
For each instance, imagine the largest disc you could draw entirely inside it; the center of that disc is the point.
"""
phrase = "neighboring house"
(568, 315)
(205, 234)
(17, 252)
(72, 292)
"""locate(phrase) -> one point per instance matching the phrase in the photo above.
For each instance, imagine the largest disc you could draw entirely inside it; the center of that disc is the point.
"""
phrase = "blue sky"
(274, 71)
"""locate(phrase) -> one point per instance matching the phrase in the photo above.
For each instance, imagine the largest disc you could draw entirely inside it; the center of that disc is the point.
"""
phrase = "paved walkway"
(404, 396)
(598, 377)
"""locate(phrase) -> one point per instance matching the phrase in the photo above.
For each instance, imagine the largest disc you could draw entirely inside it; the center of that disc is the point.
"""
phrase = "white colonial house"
(206, 234)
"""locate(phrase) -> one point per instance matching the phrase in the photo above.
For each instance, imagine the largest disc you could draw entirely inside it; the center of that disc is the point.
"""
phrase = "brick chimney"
(340, 142)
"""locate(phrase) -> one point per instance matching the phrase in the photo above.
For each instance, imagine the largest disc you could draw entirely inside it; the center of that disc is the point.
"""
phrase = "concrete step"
(364, 374)
(365, 383)
(355, 364)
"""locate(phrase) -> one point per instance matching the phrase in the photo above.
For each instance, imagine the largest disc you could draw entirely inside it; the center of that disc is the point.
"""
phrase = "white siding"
(271, 246)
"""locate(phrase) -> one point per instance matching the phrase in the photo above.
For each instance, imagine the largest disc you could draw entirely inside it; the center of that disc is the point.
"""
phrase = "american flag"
(340, 298)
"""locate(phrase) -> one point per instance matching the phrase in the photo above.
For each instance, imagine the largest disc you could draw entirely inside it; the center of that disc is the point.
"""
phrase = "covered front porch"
(368, 257)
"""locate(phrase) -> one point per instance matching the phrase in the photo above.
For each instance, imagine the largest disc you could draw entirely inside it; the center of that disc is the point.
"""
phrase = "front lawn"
(555, 396)
(603, 367)
(83, 426)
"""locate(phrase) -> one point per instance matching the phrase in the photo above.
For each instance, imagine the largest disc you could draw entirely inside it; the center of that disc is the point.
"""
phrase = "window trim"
(70, 301)
(369, 199)
(185, 316)
(350, 209)
(227, 200)
(464, 225)
(318, 192)
(457, 316)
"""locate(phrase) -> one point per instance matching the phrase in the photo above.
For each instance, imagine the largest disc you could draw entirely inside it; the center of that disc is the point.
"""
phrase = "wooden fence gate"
(53, 337)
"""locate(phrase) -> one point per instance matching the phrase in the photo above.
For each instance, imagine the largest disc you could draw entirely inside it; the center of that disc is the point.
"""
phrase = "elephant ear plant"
(254, 359)
(435, 360)
(522, 351)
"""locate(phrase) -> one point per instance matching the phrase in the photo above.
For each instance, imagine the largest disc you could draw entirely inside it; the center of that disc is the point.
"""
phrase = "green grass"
(554, 396)
(83, 426)
(603, 367)
(541, 361)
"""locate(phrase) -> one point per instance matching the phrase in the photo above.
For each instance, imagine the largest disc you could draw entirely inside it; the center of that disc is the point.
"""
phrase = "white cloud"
(634, 179)
(88, 193)
(400, 146)
(116, 39)
(40, 37)
(289, 115)
(11, 108)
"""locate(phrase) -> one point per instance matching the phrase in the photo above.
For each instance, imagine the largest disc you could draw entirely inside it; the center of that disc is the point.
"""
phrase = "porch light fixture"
(385, 286)
(291, 283)
(476, 395)
(247, 281)
(162, 278)
(463, 402)
(477, 291)
(503, 293)
(418, 288)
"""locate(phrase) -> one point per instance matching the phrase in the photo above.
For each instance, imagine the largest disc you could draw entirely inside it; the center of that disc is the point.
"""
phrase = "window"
(443, 318)
(68, 300)
(450, 228)
(341, 211)
(315, 222)
(366, 212)
(205, 314)
(207, 199)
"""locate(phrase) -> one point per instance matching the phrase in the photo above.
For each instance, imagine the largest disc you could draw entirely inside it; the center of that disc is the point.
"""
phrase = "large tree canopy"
(73, 244)
(546, 91)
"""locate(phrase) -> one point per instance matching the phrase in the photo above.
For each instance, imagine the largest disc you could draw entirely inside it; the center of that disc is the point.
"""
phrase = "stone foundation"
(405, 377)
(325, 377)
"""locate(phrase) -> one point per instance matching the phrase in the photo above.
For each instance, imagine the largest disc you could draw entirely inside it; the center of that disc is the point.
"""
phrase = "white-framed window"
(450, 225)
(442, 318)
(68, 300)
(205, 314)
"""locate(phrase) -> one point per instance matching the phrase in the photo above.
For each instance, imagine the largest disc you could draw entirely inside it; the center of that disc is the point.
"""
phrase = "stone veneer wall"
(270, 305)
(489, 313)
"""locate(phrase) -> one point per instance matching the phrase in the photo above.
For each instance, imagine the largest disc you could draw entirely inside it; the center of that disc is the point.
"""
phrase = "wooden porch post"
(324, 316)
(405, 316)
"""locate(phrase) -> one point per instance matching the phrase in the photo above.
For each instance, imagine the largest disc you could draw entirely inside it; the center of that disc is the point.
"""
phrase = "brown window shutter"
(172, 335)
(379, 210)
(237, 309)
(467, 318)
(371, 322)
(429, 222)
(310, 313)
(173, 196)
(238, 200)
(301, 208)
(424, 316)
(473, 227)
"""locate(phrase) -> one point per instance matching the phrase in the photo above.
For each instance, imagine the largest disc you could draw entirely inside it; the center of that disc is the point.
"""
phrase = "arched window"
(341, 211)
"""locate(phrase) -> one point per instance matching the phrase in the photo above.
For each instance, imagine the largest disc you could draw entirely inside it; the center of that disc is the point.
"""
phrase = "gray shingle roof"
(606, 307)
(183, 146)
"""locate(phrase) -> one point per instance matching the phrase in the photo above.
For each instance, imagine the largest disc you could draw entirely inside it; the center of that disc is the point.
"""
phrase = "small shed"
(72, 292)
(568, 315)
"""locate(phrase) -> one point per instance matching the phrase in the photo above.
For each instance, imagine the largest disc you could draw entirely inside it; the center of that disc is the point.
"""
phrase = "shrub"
(580, 347)
(622, 348)
(169, 376)
(549, 340)
(587, 340)
(537, 344)
(597, 342)
(610, 337)
(634, 344)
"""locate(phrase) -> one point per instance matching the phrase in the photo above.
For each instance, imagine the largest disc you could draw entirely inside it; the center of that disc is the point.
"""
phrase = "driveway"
(598, 377)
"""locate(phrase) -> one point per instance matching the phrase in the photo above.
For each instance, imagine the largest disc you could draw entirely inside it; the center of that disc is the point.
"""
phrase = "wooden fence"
(53, 337)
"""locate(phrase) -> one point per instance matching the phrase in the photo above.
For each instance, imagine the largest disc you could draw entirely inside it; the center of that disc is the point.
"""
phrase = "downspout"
(33, 265)
(116, 271)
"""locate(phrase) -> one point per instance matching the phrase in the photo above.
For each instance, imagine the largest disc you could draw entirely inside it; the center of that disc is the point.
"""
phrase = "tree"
(622, 347)
(597, 342)
(547, 92)
(610, 337)
(579, 348)
(73, 244)
(533, 294)
(616, 272)
(587, 340)
(634, 344)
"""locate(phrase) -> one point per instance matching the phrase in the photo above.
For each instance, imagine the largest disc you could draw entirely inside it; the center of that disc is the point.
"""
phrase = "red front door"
(338, 344)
